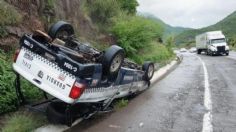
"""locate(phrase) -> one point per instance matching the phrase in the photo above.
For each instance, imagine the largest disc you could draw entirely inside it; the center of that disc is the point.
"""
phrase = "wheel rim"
(116, 62)
(150, 71)
(62, 34)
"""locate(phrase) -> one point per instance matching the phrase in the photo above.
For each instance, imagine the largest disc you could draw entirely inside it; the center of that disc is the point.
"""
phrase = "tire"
(148, 68)
(112, 60)
(227, 53)
(210, 53)
(56, 113)
(199, 51)
(61, 30)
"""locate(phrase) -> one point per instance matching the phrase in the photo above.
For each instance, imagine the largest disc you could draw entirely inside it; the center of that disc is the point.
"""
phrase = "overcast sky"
(188, 13)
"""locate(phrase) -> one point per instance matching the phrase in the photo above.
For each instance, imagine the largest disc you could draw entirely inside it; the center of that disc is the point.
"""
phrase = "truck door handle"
(37, 81)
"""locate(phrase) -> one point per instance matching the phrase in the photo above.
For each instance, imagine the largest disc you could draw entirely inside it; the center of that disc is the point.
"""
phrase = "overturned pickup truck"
(84, 80)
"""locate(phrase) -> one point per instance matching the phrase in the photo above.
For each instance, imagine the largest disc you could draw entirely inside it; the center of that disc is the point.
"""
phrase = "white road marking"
(207, 119)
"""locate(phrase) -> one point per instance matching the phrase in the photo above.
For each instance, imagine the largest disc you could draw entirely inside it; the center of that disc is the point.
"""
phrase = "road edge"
(164, 71)
(158, 75)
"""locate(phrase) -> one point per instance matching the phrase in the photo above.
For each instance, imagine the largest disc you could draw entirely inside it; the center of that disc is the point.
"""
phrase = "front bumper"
(220, 52)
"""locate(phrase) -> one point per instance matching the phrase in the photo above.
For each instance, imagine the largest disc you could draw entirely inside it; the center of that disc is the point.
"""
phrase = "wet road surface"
(176, 103)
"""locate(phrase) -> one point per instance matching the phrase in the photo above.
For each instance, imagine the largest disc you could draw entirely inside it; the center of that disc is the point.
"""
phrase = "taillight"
(16, 55)
(77, 90)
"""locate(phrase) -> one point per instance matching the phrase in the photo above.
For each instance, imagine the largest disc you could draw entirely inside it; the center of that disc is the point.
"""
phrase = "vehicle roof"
(212, 35)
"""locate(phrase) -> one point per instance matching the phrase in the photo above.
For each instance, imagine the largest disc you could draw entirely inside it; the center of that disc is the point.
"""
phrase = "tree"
(129, 6)
(102, 11)
(136, 33)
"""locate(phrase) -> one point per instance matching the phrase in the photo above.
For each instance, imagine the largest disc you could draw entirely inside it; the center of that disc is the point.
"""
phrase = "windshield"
(215, 41)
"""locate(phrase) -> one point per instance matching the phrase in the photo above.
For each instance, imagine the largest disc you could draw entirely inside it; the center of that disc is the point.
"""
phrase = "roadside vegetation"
(135, 34)
(187, 45)
(8, 98)
(23, 122)
(8, 16)
(121, 103)
(232, 42)
(140, 37)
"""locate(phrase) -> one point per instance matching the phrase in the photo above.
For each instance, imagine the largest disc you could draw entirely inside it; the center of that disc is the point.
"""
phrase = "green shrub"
(102, 11)
(121, 103)
(8, 99)
(8, 14)
(157, 53)
(22, 122)
(7, 94)
(50, 4)
(3, 31)
(129, 5)
(136, 33)
(187, 45)
(232, 42)
(170, 44)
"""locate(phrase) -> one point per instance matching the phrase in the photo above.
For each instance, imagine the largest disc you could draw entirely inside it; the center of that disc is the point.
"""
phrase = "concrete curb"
(158, 75)
(56, 128)
(162, 72)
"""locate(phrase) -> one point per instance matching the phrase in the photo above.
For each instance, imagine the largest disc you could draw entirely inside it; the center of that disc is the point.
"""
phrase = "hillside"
(227, 25)
(174, 31)
(168, 29)
(101, 23)
(26, 16)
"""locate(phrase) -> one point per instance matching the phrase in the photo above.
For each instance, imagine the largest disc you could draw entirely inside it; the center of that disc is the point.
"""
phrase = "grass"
(233, 48)
(232, 43)
(121, 103)
(157, 53)
(8, 99)
(23, 122)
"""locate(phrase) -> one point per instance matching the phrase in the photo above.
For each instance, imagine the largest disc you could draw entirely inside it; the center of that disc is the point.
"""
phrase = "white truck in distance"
(213, 43)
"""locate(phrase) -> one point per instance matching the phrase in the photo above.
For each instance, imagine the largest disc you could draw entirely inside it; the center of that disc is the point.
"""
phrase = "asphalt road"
(179, 102)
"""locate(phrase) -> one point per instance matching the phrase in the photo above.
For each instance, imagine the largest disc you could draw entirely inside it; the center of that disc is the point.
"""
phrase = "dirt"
(30, 22)
(37, 15)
